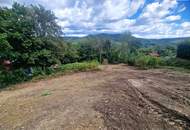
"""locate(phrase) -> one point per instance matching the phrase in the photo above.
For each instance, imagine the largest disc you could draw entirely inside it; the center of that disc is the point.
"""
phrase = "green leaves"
(4, 44)
(44, 22)
(24, 31)
(5, 47)
(183, 50)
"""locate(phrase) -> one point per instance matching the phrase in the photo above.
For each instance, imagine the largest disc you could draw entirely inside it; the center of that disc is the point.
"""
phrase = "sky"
(143, 18)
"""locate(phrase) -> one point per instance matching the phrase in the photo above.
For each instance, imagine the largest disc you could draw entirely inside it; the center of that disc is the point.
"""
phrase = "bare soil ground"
(116, 98)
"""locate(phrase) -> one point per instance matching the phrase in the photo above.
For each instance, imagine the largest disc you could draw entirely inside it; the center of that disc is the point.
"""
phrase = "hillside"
(127, 37)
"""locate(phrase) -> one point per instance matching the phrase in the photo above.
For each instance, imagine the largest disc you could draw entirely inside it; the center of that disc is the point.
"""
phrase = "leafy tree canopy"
(24, 35)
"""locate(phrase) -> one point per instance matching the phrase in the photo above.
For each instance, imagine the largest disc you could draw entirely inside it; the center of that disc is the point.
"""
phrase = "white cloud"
(6, 3)
(186, 25)
(63, 23)
(117, 9)
(173, 17)
(113, 9)
(156, 11)
(160, 18)
(135, 5)
(76, 35)
(121, 25)
(102, 16)
(76, 13)
(181, 9)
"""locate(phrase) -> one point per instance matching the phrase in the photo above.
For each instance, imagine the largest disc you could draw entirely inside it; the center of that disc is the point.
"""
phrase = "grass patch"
(84, 66)
(46, 93)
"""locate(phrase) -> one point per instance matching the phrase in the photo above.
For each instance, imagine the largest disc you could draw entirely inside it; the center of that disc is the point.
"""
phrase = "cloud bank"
(158, 19)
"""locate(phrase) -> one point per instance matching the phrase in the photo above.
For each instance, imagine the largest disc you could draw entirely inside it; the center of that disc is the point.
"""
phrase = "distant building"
(155, 54)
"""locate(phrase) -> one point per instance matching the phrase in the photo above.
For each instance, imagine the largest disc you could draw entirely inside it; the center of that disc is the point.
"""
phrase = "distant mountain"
(127, 37)
(162, 42)
(71, 39)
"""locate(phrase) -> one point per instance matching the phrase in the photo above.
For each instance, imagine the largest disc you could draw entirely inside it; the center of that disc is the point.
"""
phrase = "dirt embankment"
(117, 98)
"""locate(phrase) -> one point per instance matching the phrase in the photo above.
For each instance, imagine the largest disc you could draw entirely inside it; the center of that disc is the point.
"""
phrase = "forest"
(32, 44)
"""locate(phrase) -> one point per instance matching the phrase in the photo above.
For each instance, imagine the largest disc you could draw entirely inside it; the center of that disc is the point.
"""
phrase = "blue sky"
(144, 18)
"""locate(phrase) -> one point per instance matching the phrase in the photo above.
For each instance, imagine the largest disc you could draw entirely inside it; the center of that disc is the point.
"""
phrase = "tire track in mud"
(124, 108)
(172, 94)
(168, 114)
(174, 91)
(168, 92)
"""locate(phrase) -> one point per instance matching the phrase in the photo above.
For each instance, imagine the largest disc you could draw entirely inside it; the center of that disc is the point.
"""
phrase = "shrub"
(177, 62)
(19, 75)
(154, 61)
(141, 61)
(131, 59)
(12, 77)
(144, 61)
(183, 50)
(79, 66)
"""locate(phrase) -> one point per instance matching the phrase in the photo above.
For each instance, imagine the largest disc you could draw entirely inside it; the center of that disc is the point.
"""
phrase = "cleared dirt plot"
(118, 97)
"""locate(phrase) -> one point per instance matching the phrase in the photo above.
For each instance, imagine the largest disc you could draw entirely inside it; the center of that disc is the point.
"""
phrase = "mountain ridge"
(127, 37)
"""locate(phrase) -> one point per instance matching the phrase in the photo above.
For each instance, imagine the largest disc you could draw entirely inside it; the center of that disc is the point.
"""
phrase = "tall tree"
(183, 50)
(45, 22)
(24, 31)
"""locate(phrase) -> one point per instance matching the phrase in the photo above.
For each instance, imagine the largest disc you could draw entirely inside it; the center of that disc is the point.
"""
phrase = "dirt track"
(117, 98)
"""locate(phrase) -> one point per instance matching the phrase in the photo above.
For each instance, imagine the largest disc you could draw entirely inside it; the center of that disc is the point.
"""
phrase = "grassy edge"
(51, 76)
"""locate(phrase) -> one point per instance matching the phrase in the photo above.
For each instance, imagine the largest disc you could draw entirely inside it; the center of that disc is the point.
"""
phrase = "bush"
(19, 75)
(84, 66)
(42, 71)
(131, 59)
(177, 62)
(12, 77)
(183, 50)
(141, 61)
(147, 61)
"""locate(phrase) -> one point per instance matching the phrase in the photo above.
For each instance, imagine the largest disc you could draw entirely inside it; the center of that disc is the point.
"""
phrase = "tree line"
(31, 38)
(26, 34)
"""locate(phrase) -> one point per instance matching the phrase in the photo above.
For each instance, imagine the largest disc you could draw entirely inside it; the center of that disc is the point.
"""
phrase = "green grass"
(46, 93)
(84, 66)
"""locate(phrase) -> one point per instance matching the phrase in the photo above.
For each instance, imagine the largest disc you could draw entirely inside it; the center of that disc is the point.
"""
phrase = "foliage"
(31, 37)
(12, 77)
(83, 66)
(183, 50)
(168, 51)
(95, 48)
(177, 62)
(131, 59)
(19, 75)
(146, 61)
(24, 34)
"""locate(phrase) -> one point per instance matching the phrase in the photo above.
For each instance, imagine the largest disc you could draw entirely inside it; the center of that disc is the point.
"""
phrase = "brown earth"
(116, 98)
